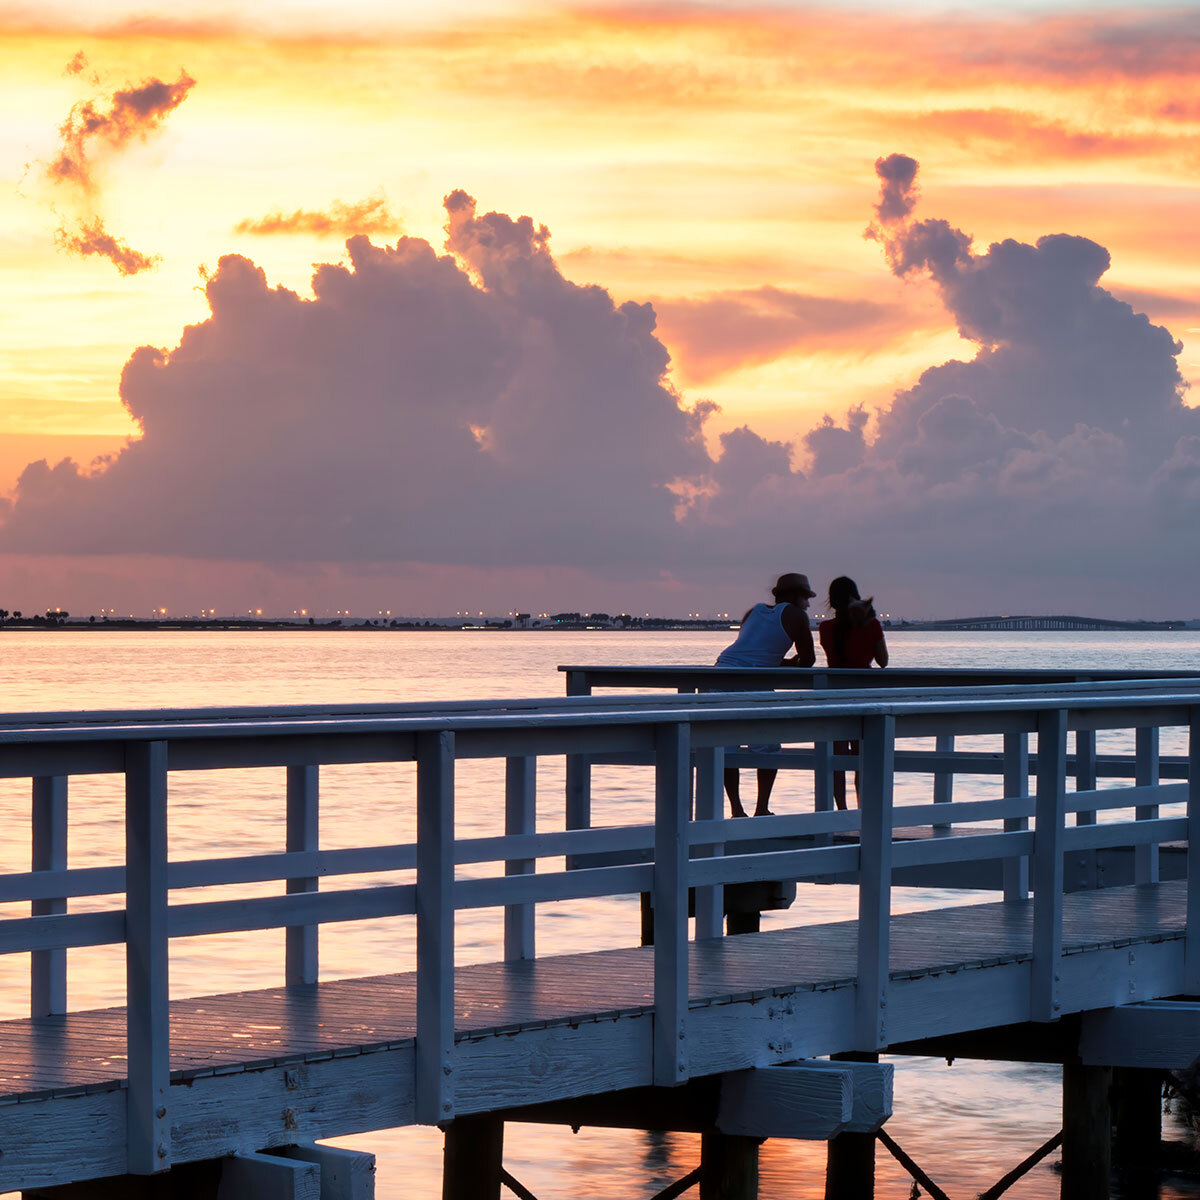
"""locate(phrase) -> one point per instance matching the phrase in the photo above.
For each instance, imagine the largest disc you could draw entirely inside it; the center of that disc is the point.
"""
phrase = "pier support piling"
(1137, 1114)
(728, 1167)
(1087, 1132)
(473, 1166)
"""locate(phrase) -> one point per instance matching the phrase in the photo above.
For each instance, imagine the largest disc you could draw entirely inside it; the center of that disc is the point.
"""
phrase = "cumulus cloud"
(339, 219)
(898, 195)
(93, 132)
(474, 409)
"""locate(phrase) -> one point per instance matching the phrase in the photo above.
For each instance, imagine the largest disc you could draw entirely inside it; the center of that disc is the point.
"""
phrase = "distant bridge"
(1029, 623)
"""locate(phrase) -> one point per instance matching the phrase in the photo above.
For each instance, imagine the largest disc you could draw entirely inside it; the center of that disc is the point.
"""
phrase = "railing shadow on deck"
(684, 737)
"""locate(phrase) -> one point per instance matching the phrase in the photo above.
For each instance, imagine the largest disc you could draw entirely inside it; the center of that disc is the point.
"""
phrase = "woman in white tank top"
(767, 632)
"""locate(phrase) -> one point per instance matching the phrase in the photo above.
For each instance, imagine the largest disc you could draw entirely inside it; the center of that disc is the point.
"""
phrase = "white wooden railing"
(683, 736)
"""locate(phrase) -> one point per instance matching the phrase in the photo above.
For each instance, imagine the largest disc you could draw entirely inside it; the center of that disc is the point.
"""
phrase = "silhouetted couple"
(851, 637)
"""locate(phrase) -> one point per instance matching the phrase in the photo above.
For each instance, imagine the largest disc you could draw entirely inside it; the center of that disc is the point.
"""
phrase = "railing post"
(434, 1082)
(874, 882)
(1048, 863)
(1016, 783)
(1145, 774)
(303, 828)
(1191, 971)
(520, 816)
(147, 989)
(943, 781)
(822, 759)
(672, 807)
(578, 774)
(1085, 770)
(48, 968)
(710, 806)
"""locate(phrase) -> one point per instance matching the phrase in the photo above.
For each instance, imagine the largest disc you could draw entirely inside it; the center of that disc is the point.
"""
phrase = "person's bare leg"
(733, 789)
(766, 781)
(857, 792)
(839, 789)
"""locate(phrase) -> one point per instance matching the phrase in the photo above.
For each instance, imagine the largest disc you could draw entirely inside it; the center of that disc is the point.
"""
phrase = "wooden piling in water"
(1137, 1114)
(850, 1167)
(728, 1167)
(1087, 1132)
(474, 1157)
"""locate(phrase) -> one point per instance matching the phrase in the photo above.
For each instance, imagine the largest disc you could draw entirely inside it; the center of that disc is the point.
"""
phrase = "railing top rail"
(947, 674)
(572, 712)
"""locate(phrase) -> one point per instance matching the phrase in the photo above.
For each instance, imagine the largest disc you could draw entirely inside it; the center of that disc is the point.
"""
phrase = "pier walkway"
(160, 1083)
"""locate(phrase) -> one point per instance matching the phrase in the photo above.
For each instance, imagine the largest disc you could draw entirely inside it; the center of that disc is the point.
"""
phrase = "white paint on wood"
(435, 928)
(268, 1177)
(345, 1174)
(1085, 771)
(873, 1090)
(1048, 864)
(302, 836)
(1160, 1033)
(875, 883)
(943, 781)
(48, 968)
(520, 819)
(1146, 772)
(787, 1102)
(672, 812)
(146, 958)
(1193, 855)
(554, 1063)
(710, 807)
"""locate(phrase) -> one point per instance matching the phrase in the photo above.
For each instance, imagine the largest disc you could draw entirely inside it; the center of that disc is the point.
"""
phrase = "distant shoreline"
(643, 625)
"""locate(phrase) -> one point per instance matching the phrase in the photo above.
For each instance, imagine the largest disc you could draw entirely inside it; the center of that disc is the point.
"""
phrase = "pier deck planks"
(49, 1056)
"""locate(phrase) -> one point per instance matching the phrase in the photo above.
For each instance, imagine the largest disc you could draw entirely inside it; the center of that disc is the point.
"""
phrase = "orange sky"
(679, 155)
(715, 159)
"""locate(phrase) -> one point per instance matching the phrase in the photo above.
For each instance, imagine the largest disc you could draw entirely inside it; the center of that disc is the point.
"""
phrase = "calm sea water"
(966, 1124)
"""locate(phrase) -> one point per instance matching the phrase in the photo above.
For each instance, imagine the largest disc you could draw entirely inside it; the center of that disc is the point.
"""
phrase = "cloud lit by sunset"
(685, 362)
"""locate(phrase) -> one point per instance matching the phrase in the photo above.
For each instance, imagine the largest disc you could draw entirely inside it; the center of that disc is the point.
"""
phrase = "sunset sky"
(487, 433)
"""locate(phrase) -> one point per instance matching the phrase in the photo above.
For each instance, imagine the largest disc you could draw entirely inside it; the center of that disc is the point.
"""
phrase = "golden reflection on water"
(965, 1124)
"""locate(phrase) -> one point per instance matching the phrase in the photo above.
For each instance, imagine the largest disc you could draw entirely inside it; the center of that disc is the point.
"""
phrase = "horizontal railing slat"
(940, 850)
(302, 908)
(65, 931)
(581, 884)
(778, 864)
(1126, 833)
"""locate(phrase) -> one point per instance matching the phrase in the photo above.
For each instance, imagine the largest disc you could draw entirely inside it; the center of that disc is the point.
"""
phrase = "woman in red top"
(852, 637)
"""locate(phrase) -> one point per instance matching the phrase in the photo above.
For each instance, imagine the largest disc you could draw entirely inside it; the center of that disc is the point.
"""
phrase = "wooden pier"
(770, 1034)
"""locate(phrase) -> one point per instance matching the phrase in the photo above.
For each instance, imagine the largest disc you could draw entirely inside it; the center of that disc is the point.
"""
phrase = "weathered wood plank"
(268, 1177)
(788, 1102)
(48, 968)
(302, 836)
(520, 818)
(345, 1174)
(1048, 863)
(435, 927)
(875, 882)
(146, 957)
(672, 811)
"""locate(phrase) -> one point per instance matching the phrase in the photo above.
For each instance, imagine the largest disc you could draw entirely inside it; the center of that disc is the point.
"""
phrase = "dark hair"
(843, 591)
